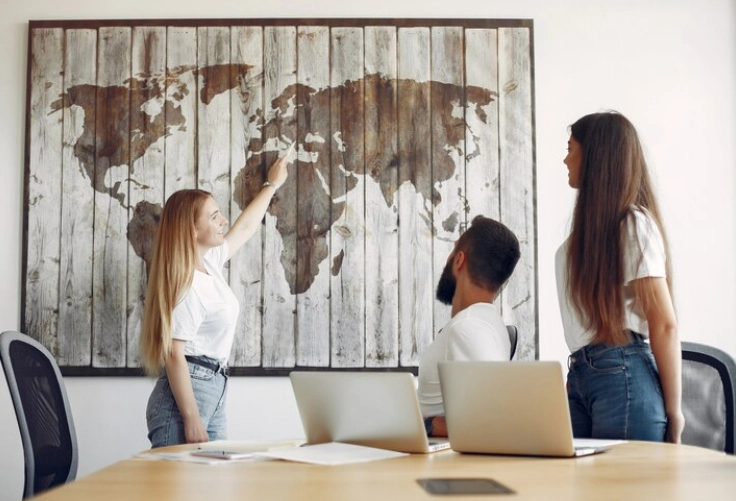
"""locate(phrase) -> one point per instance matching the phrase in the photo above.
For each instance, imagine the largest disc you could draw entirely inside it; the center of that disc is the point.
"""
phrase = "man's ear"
(459, 260)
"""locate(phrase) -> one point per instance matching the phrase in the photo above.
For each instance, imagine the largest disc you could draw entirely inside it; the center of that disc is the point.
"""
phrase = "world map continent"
(143, 110)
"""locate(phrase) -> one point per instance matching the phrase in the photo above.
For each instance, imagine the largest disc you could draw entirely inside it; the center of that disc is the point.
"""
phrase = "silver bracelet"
(272, 185)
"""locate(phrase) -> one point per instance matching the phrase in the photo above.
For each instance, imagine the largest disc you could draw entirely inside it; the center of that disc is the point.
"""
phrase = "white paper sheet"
(595, 442)
(333, 453)
(187, 457)
(230, 445)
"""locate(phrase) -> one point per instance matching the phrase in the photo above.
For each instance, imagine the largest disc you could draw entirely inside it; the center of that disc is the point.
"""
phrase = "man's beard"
(446, 286)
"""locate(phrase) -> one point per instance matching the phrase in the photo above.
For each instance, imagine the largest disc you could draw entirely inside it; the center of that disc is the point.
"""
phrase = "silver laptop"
(514, 408)
(374, 409)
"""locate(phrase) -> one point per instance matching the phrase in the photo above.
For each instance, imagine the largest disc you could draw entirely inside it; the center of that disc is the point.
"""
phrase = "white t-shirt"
(644, 256)
(206, 315)
(476, 333)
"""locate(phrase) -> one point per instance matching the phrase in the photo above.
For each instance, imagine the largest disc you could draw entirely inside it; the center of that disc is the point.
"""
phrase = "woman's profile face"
(573, 160)
(210, 225)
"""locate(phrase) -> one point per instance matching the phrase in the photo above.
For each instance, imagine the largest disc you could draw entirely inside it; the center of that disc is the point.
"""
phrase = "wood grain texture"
(43, 189)
(447, 102)
(213, 133)
(406, 129)
(481, 150)
(246, 266)
(416, 295)
(483, 193)
(280, 238)
(381, 210)
(314, 204)
(75, 293)
(517, 182)
(181, 101)
(147, 136)
(347, 186)
(112, 174)
(632, 470)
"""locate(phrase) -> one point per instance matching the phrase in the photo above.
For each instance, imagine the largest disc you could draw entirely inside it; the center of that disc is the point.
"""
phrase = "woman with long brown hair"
(191, 312)
(614, 286)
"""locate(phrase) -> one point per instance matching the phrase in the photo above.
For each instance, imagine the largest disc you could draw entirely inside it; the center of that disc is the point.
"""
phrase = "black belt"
(213, 366)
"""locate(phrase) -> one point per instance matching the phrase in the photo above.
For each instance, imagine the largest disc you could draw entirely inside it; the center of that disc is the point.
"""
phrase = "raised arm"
(665, 343)
(247, 222)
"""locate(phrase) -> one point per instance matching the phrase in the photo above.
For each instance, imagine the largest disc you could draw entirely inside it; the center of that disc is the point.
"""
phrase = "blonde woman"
(191, 312)
(614, 287)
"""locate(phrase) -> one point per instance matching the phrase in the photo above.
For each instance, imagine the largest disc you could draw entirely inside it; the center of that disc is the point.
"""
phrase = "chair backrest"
(513, 337)
(42, 408)
(708, 397)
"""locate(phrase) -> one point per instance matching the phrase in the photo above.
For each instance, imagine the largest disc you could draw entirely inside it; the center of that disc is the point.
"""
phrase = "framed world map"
(404, 131)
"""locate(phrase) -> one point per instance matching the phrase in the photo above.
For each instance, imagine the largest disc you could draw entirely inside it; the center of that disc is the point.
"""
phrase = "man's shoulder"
(479, 311)
(483, 316)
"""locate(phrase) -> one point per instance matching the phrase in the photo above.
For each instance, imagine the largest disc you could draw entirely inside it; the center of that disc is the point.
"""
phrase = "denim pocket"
(609, 361)
(654, 371)
(201, 373)
(158, 397)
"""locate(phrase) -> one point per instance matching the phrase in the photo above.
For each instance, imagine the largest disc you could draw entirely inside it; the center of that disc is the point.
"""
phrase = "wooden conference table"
(635, 470)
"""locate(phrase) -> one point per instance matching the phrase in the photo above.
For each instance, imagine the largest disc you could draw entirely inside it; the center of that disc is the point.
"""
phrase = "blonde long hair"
(172, 270)
(613, 179)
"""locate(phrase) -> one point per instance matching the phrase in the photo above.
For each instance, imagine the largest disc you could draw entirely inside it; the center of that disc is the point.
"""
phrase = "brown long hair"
(172, 270)
(613, 179)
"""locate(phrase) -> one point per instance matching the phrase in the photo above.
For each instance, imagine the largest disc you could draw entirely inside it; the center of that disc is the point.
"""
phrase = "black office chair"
(513, 337)
(42, 408)
(708, 397)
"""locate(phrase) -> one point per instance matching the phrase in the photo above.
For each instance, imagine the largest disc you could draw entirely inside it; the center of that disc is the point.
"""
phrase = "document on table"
(332, 453)
(596, 442)
(237, 446)
(188, 457)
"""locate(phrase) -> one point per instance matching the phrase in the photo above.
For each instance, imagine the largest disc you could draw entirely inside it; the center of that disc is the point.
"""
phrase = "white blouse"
(644, 256)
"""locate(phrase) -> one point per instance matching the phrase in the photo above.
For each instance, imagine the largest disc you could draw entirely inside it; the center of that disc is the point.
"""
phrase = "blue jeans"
(165, 423)
(614, 392)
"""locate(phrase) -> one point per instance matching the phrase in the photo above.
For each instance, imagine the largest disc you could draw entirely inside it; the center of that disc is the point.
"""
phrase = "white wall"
(669, 65)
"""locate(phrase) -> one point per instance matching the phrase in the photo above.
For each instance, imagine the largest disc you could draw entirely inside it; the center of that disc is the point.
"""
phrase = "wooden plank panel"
(402, 137)
(44, 190)
(181, 109)
(448, 151)
(280, 243)
(314, 201)
(347, 242)
(75, 294)
(112, 160)
(517, 181)
(246, 266)
(481, 115)
(381, 182)
(415, 195)
(147, 136)
(213, 114)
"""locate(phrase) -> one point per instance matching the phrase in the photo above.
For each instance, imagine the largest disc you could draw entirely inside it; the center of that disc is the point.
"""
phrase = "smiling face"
(210, 225)
(573, 161)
